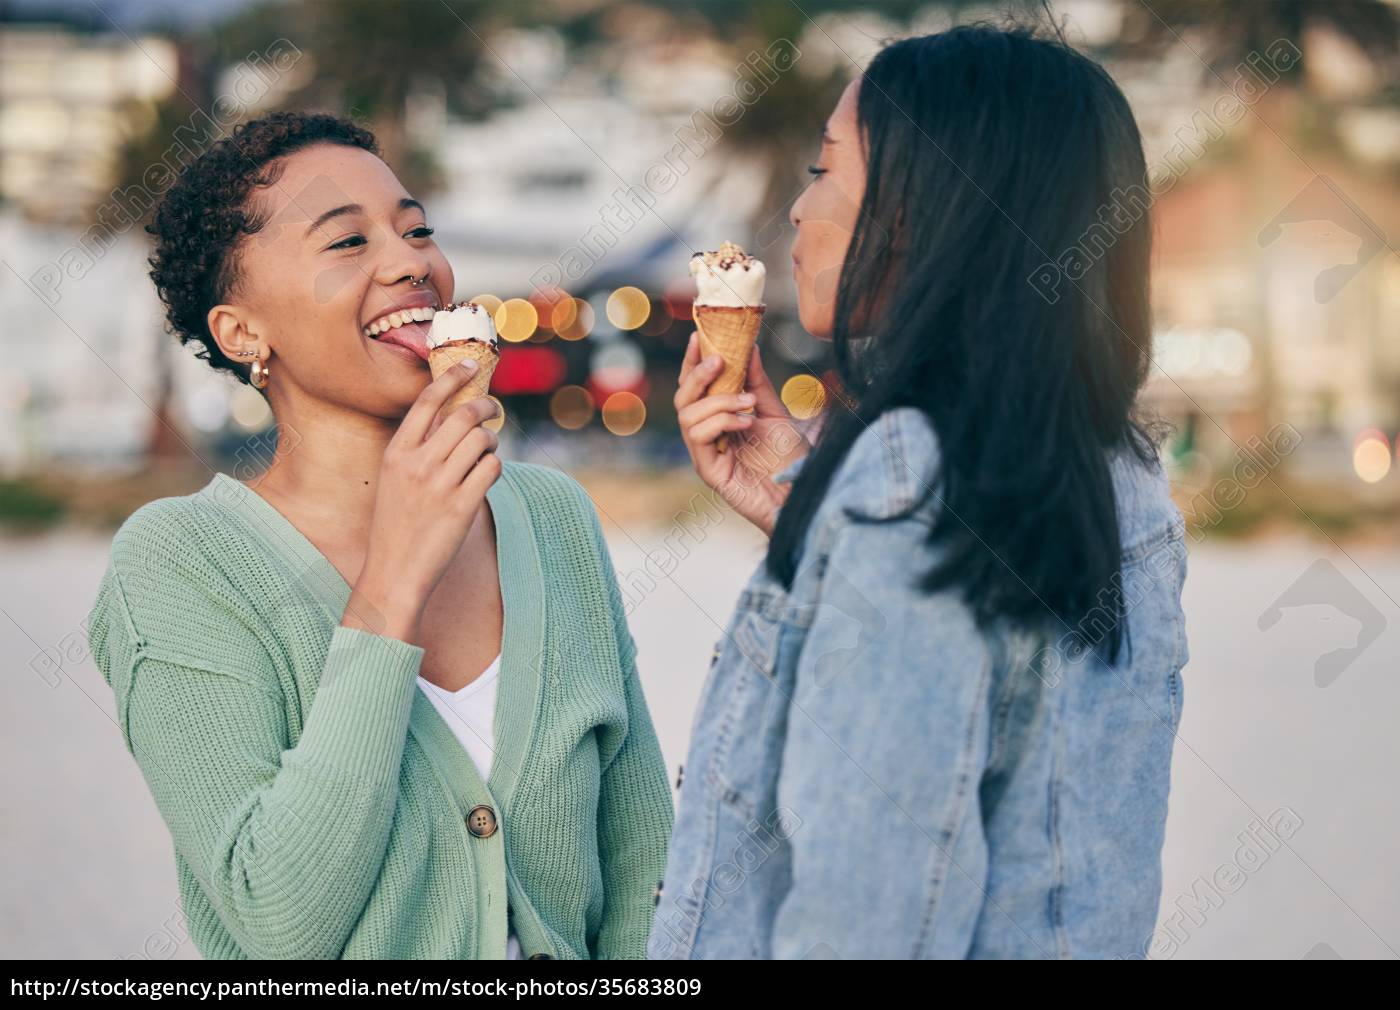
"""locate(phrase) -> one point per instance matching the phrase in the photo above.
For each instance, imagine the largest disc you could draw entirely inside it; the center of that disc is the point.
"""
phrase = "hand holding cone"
(440, 359)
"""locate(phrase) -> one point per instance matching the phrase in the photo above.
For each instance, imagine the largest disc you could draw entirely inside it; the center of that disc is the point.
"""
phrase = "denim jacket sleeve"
(882, 761)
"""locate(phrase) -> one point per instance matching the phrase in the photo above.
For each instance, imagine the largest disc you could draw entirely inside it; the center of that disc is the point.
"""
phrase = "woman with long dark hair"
(940, 721)
(383, 692)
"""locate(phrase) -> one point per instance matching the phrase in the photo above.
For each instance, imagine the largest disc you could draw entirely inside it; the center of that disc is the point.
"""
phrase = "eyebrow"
(406, 203)
(827, 138)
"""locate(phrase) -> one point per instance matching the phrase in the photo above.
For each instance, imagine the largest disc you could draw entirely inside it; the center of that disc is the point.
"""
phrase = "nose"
(795, 213)
(401, 263)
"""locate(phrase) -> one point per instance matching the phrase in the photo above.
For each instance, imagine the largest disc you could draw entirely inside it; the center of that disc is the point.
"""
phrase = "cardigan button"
(481, 821)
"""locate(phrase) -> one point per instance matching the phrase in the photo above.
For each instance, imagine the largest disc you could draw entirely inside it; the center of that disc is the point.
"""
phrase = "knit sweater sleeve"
(286, 841)
(635, 811)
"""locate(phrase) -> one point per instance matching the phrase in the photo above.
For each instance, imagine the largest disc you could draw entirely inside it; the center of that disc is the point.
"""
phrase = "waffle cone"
(440, 359)
(730, 333)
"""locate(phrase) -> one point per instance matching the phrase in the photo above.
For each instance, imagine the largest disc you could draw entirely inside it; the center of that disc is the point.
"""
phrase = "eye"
(348, 242)
(422, 231)
(815, 170)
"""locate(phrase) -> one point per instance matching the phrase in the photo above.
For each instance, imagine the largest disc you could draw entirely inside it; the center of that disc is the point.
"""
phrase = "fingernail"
(713, 361)
(468, 364)
(746, 398)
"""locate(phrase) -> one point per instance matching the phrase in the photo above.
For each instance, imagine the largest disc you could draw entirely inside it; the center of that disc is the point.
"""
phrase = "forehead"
(842, 121)
(322, 177)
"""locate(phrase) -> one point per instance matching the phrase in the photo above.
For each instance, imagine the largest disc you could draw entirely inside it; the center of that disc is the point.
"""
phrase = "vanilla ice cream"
(728, 277)
(463, 321)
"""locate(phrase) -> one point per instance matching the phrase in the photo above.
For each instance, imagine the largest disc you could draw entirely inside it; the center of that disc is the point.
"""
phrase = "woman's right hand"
(760, 443)
(432, 480)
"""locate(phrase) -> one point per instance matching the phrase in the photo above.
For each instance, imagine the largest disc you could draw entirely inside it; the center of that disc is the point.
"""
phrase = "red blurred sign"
(528, 369)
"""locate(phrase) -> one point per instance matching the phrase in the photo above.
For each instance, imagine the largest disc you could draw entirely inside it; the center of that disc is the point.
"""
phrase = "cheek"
(827, 228)
(336, 284)
(823, 269)
(301, 297)
(443, 280)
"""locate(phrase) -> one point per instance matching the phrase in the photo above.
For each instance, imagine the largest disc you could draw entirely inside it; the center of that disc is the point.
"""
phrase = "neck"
(326, 466)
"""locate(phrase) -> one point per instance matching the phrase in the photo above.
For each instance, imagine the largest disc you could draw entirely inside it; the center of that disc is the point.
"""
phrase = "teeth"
(421, 314)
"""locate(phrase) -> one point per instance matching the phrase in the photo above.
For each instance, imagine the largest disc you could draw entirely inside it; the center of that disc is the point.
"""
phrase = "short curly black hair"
(201, 220)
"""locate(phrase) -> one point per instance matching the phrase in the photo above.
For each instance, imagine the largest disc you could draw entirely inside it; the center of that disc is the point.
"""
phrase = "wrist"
(384, 607)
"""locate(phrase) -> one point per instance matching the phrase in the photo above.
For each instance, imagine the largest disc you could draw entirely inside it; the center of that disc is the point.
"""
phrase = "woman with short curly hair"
(384, 696)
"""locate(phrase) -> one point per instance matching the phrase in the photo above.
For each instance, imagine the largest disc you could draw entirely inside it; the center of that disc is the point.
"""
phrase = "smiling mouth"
(407, 328)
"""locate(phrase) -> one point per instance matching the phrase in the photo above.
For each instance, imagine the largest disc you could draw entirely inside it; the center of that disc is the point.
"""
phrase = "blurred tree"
(784, 126)
(371, 57)
(1233, 30)
(781, 131)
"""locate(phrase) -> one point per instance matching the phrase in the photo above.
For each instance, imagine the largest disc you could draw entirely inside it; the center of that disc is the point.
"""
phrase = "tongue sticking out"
(413, 336)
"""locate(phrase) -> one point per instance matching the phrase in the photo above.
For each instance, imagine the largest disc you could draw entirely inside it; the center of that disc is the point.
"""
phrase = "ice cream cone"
(443, 357)
(729, 332)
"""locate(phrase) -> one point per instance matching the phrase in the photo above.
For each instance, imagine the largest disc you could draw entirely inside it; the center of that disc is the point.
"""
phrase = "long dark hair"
(997, 280)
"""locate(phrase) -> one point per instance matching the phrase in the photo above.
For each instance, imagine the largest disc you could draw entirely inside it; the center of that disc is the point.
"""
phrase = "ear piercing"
(259, 374)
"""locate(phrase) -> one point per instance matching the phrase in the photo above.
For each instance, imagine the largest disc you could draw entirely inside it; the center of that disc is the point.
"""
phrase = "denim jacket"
(874, 775)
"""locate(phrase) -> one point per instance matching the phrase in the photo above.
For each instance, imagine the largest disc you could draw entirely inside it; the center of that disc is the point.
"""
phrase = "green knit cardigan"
(318, 802)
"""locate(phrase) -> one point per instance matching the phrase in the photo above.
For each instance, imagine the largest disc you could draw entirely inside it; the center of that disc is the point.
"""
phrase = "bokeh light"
(516, 319)
(248, 409)
(550, 302)
(628, 308)
(1371, 456)
(679, 297)
(804, 396)
(618, 365)
(207, 407)
(499, 421)
(571, 407)
(580, 321)
(658, 322)
(488, 302)
(562, 314)
(624, 413)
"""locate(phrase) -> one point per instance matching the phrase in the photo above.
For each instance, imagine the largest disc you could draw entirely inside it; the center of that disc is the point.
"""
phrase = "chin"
(817, 320)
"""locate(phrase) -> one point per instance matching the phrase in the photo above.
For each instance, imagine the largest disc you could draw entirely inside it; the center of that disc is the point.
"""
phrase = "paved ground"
(91, 871)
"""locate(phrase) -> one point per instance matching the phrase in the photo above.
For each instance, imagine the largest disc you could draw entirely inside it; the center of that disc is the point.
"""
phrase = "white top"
(471, 714)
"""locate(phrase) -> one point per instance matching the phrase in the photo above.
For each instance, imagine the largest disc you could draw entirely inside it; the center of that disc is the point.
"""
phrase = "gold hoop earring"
(259, 374)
